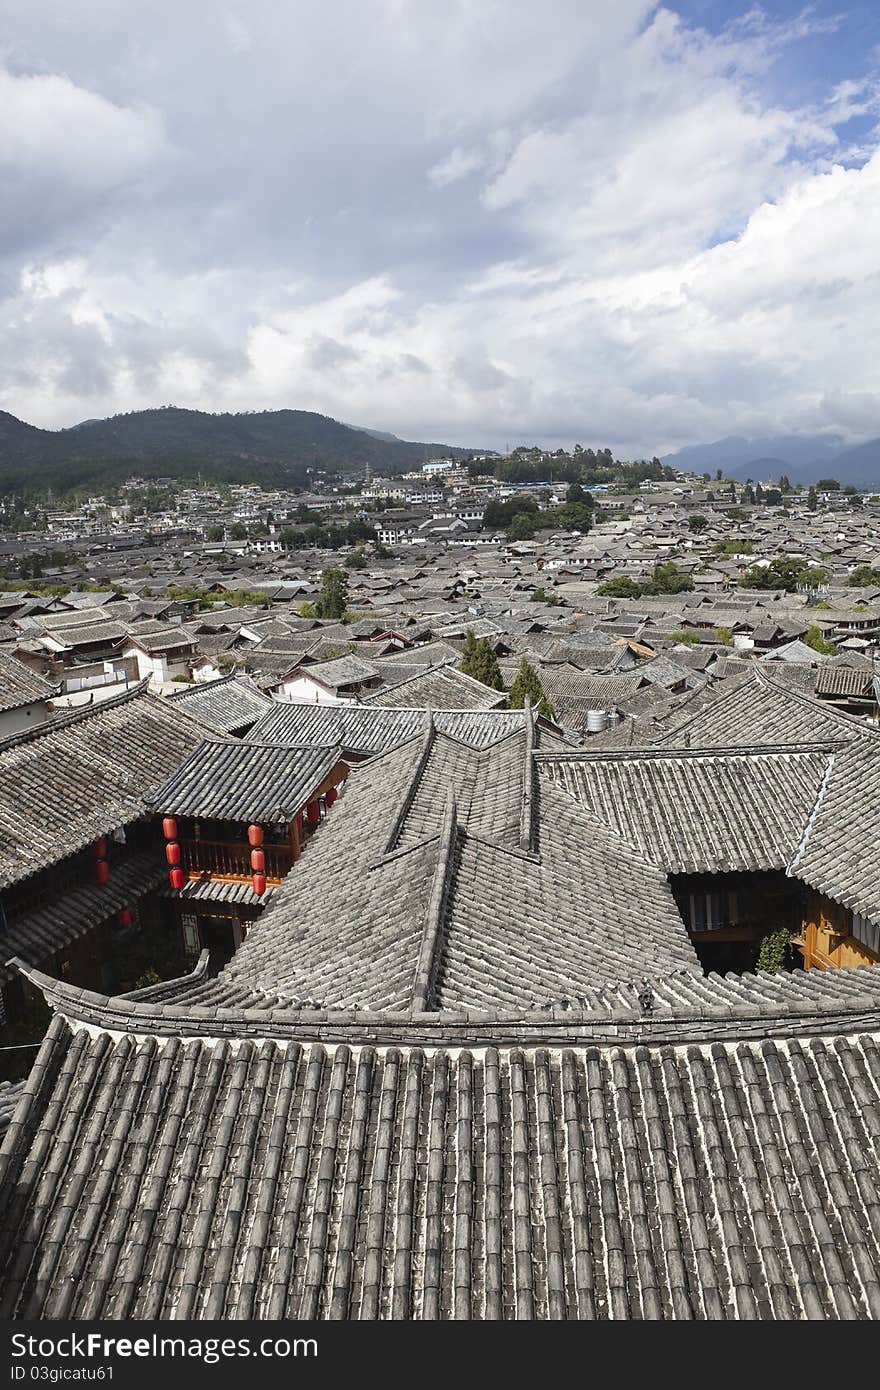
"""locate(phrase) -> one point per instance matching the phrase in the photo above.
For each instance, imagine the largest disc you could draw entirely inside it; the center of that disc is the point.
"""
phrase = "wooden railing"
(228, 859)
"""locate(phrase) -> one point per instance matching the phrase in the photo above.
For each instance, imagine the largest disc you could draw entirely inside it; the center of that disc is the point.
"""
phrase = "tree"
(784, 483)
(480, 662)
(819, 643)
(356, 560)
(864, 577)
(828, 485)
(540, 595)
(776, 951)
(783, 573)
(333, 599)
(621, 587)
(238, 532)
(668, 579)
(214, 533)
(696, 522)
(812, 499)
(527, 684)
(749, 495)
(522, 528)
(307, 610)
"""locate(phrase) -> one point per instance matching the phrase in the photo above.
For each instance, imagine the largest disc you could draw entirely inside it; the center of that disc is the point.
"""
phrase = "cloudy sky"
(481, 221)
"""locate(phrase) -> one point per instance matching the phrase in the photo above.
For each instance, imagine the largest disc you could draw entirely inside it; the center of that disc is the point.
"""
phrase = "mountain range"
(804, 458)
(273, 446)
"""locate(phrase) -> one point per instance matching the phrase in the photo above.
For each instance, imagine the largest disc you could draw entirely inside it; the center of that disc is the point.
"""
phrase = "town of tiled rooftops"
(443, 925)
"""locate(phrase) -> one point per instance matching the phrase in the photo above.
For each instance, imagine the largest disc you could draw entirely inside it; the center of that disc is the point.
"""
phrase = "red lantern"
(255, 836)
(172, 852)
(102, 871)
(123, 917)
(99, 848)
(169, 828)
(313, 811)
(331, 796)
(258, 861)
(177, 879)
(259, 884)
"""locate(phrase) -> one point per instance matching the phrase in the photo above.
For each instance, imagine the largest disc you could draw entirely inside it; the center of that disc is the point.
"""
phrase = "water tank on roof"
(597, 721)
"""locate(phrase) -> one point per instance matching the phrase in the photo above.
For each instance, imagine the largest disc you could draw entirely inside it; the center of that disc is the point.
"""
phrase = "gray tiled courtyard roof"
(442, 687)
(760, 711)
(230, 780)
(83, 774)
(229, 1177)
(373, 729)
(227, 705)
(36, 936)
(21, 686)
(509, 891)
(698, 811)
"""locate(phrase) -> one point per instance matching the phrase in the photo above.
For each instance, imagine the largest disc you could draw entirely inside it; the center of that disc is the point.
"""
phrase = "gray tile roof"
(215, 891)
(699, 811)
(236, 1179)
(840, 855)
(11, 1093)
(81, 775)
(761, 711)
(229, 705)
(34, 937)
(520, 891)
(372, 729)
(441, 687)
(342, 671)
(230, 780)
(21, 686)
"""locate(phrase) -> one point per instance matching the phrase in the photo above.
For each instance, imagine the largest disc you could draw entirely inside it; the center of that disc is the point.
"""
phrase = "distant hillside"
(859, 465)
(270, 446)
(805, 458)
(743, 458)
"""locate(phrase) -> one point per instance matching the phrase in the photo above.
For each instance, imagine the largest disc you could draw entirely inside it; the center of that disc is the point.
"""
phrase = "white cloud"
(474, 222)
(64, 149)
(457, 165)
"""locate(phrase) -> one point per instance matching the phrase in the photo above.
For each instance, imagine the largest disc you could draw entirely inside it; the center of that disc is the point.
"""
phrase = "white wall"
(302, 691)
(13, 721)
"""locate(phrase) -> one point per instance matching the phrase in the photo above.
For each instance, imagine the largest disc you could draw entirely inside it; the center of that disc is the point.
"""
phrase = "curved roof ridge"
(76, 715)
(631, 1013)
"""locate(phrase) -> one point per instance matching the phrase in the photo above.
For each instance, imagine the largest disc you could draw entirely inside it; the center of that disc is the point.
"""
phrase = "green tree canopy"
(333, 598)
(527, 685)
(668, 579)
(480, 662)
(819, 643)
(697, 522)
(522, 528)
(621, 587)
(864, 577)
(785, 572)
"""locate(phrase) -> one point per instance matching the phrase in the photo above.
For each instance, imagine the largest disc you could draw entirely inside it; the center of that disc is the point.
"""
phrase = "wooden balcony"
(225, 859)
